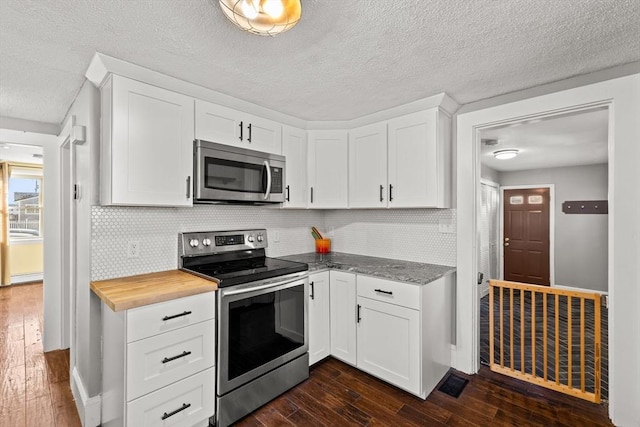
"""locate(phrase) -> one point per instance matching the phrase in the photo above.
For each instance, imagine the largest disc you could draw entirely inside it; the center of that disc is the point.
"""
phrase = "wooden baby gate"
(546, 336)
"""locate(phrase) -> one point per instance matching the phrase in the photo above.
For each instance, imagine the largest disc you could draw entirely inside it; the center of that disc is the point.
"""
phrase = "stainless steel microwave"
(227, 174)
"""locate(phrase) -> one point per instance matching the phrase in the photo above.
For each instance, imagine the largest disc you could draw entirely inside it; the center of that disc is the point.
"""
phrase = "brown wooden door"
(526, 236)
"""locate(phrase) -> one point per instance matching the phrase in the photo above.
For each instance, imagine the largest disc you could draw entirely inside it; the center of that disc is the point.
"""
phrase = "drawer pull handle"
(172, 413)
(313, 294)
(184, 313)
(170, 359)
(383, 292)
(358, 318)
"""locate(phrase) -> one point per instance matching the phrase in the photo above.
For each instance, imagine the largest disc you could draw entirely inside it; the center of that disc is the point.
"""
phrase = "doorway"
(623, 211)
(569, 154)
(21, 168)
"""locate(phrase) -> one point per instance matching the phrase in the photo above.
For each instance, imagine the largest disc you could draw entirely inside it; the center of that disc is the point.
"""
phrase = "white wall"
(489, 173)
(580, 240)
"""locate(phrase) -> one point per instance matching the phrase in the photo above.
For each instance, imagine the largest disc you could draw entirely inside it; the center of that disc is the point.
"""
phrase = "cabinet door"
(147, 158)
(368, 166)
(328, 176)
(225, 125)
(389, 343)
(418, 160)
(342, 295)
(319, 329)
(262, 134)
(294, 148)
(219, 124)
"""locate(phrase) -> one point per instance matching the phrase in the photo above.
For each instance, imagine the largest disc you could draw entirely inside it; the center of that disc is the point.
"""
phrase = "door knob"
(506, 244)
(506, 239)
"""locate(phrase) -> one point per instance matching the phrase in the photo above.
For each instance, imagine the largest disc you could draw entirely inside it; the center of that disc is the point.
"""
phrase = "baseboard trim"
(26, 278)
(88, 407)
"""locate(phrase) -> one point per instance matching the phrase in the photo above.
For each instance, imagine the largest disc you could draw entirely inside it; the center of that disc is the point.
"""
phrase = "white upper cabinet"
(328, 169)
(419, 160)
(225, 125)
(368, 166)
(294, 148)
(147, 145)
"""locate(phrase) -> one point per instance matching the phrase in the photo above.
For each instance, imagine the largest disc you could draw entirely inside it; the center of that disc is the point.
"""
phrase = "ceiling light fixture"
(263, 17)
(505, 154)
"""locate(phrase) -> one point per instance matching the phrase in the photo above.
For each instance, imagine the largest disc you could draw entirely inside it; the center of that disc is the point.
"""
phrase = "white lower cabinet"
(389, 343)
(319, 324)
(158, 363)
(168, 406)
(398, 332)
(342, 294)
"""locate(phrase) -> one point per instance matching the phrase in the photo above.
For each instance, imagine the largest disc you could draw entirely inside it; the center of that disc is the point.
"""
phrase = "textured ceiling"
(569, 140)
(345, 59)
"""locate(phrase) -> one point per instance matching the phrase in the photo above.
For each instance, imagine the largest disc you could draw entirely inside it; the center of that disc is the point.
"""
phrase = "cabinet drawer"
(163, 359)
(149, 320)
(383, 290)
(196, 391)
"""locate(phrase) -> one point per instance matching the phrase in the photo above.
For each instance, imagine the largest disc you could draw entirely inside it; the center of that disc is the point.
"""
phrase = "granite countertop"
(392, 269)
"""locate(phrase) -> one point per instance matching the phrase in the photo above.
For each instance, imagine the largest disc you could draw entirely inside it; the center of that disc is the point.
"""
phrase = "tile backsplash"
(403, 234)
(407, 234)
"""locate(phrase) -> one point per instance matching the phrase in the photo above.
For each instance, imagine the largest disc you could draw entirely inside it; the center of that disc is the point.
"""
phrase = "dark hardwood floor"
(34, 386)
(337, 394)
(35, 390)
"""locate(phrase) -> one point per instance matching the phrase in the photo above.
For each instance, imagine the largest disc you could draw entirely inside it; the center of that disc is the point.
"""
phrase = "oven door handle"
(260, 287)
(268, 192)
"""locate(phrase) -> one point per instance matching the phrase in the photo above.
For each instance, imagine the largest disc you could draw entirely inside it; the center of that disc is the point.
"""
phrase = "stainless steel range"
(262, 320)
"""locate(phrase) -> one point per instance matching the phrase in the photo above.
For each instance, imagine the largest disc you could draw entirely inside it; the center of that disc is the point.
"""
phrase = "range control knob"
(260, 237)
(194, 243)
(206, 242)
(250, 239)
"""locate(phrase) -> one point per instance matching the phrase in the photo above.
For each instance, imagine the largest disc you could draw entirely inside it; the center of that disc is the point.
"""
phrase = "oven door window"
(263, 328)
(229, 175)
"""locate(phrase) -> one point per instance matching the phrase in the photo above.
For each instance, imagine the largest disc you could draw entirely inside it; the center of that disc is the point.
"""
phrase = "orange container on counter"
(323, 246)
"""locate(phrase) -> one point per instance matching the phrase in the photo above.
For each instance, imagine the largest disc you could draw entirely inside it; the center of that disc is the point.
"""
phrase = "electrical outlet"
(133, 249)
(276, 237)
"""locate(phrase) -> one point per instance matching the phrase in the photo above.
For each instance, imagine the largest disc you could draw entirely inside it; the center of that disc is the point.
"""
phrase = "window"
(25, 204)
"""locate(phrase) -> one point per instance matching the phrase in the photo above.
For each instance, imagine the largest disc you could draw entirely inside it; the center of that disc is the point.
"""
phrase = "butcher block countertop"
(135, 291)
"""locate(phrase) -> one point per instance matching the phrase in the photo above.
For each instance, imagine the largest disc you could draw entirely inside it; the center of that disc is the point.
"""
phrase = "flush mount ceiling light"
(263, 17)
(505, 154)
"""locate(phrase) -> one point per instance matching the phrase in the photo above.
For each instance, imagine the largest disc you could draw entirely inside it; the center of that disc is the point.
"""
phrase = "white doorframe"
(622, 97)
(65, 230)
(552, 227)
(67, 241)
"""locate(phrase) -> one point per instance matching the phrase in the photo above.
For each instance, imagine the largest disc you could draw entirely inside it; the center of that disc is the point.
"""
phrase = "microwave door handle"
(268, 192)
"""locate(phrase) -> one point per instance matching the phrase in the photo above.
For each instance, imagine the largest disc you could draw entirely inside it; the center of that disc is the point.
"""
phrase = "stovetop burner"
(232, 257)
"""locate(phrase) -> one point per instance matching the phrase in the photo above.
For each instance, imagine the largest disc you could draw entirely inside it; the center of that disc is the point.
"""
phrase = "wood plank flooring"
(35, 390)
(337, 394)
(34, 386)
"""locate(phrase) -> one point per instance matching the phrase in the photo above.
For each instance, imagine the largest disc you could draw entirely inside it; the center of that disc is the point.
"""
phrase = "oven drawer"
(149, 320)
(402, 294)
(195, 394)
(163, 359)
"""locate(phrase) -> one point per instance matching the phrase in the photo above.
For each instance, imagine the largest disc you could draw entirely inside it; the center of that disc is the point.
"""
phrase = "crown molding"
(102, 66)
